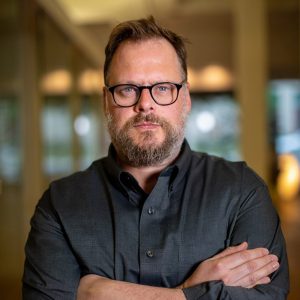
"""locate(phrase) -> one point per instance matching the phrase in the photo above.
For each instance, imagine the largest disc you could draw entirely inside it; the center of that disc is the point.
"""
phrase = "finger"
(231, 250)
(255, 274)
(250, 267)
(264, 280)
(239, 258)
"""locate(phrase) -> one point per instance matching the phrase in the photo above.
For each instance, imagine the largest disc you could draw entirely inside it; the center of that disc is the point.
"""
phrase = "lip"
(147, 125)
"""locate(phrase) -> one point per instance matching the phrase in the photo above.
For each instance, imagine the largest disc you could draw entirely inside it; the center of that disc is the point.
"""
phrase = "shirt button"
(150, 253)
(150, 210)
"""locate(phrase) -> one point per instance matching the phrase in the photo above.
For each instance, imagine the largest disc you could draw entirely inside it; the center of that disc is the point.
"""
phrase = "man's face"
(146, 134)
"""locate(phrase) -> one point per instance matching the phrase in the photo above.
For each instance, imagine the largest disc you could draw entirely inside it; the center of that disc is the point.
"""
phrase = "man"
(154, 220)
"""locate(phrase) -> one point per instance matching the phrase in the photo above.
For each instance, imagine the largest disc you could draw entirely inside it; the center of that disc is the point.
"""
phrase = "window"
(10, 150)
(213, 125)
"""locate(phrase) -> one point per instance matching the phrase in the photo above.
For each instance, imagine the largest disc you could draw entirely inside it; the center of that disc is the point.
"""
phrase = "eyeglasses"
(163, 93)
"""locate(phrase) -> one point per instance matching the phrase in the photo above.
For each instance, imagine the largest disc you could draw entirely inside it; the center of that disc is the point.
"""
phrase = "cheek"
(119, 117)
(174, 116)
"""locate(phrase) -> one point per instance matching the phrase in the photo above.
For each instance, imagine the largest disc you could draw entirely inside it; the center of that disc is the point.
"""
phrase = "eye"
(126, 90)
(162, 88)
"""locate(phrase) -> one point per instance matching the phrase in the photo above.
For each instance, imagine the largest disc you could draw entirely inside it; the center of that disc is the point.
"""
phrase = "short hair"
(139, 30)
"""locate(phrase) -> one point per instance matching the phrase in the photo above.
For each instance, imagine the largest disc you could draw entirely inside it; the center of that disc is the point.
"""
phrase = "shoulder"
(80, 179)
(72, 190)
(227, 185)
(211, 163)
(228, 172)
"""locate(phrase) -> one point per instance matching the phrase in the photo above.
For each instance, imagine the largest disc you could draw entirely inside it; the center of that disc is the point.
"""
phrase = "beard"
(147, 151)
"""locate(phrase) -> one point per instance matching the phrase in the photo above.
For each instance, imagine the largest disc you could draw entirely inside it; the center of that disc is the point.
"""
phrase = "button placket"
(150, 246)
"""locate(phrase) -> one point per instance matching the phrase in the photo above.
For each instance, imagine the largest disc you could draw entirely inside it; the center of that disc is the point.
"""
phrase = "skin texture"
(146, 63)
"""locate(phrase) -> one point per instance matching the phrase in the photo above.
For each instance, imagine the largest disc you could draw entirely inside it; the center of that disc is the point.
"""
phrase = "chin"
(148, 139)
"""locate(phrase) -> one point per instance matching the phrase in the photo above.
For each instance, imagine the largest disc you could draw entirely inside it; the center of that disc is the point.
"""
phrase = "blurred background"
(244, 70)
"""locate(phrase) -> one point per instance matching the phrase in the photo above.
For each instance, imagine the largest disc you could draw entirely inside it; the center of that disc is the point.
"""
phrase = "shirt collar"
(181, 164)
(176, 171)
(112, 168)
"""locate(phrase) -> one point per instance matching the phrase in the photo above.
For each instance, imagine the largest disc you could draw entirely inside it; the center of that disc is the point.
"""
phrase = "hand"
(236, 266)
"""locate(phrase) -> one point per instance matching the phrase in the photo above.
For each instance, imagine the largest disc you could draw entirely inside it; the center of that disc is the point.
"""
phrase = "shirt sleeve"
(51, 270)
(256, 222)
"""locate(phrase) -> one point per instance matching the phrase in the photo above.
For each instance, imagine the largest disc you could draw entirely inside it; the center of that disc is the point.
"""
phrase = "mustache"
(146, 118)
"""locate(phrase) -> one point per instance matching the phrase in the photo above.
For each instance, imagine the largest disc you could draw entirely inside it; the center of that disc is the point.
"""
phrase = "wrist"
(183, 285)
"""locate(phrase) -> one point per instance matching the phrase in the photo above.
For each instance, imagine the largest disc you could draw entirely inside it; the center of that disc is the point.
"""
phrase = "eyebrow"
(150, 84)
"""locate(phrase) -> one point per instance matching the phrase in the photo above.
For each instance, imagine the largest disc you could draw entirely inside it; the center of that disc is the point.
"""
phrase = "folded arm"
(100, 288)
(256, 222)
(235, 266)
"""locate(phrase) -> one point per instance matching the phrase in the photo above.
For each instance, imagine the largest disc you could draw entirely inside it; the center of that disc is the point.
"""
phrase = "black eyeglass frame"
(148, 87)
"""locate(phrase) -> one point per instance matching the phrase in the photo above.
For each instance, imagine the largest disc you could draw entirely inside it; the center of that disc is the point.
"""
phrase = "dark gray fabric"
(100, 221)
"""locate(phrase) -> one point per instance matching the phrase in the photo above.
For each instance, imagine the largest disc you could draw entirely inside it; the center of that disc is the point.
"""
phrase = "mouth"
(146, 125)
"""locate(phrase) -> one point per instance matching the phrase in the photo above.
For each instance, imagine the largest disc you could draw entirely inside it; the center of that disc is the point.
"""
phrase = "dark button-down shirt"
(101, 222)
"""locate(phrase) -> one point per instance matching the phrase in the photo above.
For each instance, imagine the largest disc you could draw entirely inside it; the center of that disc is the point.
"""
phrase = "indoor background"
(244, 70)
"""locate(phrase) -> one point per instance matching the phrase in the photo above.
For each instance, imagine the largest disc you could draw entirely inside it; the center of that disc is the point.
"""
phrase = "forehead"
(146, 58)
(150, 44)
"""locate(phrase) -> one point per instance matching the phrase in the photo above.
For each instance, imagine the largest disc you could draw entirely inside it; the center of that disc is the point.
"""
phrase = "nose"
(145, 103)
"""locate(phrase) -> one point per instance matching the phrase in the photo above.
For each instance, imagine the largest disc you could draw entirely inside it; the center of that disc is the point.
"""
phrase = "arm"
(94, 287)
(256, 222)
(51, 270)
(236, 266)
